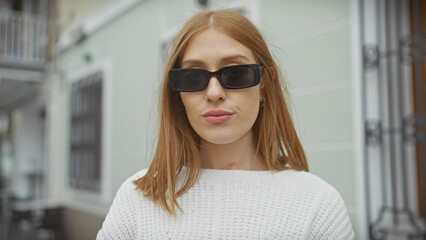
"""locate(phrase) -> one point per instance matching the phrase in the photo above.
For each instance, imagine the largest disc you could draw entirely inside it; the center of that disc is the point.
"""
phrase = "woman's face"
(237, 109)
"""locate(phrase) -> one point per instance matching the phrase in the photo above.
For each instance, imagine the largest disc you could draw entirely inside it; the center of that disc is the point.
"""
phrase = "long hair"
(178, 144)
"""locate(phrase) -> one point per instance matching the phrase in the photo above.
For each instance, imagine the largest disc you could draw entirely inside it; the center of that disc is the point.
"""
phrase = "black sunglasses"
(231, 77)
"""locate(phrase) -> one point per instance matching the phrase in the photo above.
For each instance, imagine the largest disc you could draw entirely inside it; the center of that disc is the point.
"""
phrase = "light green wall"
(312, 42)
(324, 117)
(132, 43)
(310, 39)
(320, 59)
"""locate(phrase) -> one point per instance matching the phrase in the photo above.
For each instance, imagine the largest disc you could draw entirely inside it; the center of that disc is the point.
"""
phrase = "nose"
(215, 91)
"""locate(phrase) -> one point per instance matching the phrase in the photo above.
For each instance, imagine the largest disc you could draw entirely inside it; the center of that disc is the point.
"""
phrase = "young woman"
(228, 162)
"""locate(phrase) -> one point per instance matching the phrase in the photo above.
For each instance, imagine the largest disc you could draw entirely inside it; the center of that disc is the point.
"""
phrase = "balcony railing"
(23, 39)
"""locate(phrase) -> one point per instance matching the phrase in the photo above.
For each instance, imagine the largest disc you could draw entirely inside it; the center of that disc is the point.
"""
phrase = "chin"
(220, 140)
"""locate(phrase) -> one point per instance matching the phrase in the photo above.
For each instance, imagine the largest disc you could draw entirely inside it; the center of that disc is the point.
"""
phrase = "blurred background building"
(79, 82)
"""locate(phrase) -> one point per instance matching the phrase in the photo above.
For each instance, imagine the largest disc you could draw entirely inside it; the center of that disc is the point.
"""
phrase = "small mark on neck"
(231, 165)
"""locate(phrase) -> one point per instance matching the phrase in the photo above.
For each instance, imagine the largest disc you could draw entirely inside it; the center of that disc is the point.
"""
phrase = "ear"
(272, 74)
(261, 96)
(261, 92)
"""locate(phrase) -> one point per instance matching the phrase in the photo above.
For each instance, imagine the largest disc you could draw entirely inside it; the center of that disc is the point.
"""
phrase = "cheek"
(253, 106)
(190, 103)
(186, 103)
(252, 100)
(187, 100)
(251, 110)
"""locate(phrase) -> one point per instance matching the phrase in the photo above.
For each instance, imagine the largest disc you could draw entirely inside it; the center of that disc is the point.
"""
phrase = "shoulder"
(327, 215)
(128, 183)
(306, 180)
(137, 175)
(324, 189)
(329, 218)
(122, 220)
(310, 188)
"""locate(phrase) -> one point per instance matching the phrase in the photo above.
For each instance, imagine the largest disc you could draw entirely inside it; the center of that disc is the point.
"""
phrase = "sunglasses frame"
(255, 67)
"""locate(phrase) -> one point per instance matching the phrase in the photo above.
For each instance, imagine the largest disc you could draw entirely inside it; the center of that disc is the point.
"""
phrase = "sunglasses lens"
(238, 77)
(232, 77)
(188, 79)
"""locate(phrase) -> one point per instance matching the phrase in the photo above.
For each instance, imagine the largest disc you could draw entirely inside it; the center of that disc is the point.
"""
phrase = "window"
(85, 165)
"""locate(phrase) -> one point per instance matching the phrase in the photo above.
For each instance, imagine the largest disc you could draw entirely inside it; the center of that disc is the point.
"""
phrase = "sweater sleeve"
(120, 222)
(331, 220)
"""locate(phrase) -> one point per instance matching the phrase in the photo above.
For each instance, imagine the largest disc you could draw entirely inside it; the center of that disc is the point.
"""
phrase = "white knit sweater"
(234, 204)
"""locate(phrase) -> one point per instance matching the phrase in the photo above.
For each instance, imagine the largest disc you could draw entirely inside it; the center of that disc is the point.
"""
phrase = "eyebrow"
(237, 57)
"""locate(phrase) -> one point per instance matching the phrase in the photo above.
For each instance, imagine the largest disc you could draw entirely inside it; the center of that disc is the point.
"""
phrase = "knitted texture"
(234, 204)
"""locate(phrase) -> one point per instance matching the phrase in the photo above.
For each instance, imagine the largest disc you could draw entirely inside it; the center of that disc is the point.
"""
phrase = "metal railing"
(23, 37)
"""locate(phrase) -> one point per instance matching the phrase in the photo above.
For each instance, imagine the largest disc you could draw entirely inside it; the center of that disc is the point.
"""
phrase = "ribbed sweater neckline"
(236, 174)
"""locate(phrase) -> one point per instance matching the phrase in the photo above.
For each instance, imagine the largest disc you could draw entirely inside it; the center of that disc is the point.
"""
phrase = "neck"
(240, 154)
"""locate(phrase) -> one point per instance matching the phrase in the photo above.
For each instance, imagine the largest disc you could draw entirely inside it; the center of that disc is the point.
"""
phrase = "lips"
(217, 116)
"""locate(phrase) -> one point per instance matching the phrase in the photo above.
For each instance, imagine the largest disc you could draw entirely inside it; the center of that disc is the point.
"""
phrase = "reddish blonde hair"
(178, 144)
